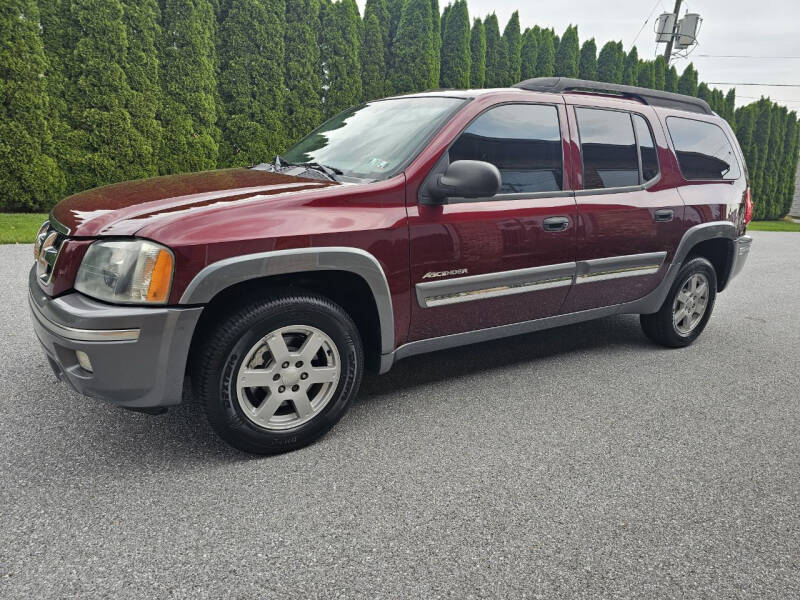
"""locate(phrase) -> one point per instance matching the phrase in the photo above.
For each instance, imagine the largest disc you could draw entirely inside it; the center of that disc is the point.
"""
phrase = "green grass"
(19, 228)
(781, 225)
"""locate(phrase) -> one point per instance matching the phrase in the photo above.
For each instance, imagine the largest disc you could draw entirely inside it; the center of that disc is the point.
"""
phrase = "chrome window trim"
(82, 335)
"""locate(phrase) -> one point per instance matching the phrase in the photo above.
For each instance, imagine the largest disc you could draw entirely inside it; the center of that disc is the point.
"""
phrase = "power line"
(743, 56)
(655, 6)
(761, 84)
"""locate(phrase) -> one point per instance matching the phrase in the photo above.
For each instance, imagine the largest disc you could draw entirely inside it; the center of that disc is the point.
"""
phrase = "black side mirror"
(467, 179)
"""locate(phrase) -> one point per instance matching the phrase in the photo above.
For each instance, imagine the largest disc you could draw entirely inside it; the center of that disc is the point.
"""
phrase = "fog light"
(83, 360)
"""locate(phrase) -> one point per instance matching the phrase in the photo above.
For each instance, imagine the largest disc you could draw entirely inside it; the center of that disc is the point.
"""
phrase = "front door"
(630, 218)
(478, 263)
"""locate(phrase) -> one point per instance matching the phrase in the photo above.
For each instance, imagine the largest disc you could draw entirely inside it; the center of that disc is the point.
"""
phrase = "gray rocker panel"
(224, 273)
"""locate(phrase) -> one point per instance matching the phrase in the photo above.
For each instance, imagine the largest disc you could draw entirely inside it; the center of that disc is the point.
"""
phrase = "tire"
(242, 349)
(669, 327)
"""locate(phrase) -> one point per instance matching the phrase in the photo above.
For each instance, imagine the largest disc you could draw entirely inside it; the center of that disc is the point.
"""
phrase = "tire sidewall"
(226, 407)
(692, 267)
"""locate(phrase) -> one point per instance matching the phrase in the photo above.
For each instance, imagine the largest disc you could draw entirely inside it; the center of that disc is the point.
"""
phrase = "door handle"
(663, 214)
(555, 223)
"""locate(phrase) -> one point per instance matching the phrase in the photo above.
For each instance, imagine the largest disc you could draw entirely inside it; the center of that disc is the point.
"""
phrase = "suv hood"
(124, 208)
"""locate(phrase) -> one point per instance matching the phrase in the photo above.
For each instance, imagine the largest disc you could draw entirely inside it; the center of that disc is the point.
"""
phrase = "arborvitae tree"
(545, 57)
(761, 136)
(610, 63)
(647, 74)
(455, 48)
(567, 60)
(513, 48)
(630, 73)
(494, 58)
(112, 149)
(340, 52)
(717, 101)
(687, 84)
(771, 181)
(143, 33)
(703, 92)
(745, 121)
(303, 106)
(380, 9)
(189, 110)
(394, 9)
(788, 164)
(412, 49)
(588, 64)
(30, 179)
(660, 72)
(530, 44)
(671, 79)
(477, 52)
(251, 81)
(436, 36)
(373, 61)
(443, 21)
(730, 107)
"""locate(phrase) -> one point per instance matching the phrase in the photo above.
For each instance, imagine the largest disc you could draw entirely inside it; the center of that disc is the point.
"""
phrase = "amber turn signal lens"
(161, 278)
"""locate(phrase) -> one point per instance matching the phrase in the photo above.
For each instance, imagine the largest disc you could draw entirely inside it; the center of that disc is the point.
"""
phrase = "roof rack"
(651, 97)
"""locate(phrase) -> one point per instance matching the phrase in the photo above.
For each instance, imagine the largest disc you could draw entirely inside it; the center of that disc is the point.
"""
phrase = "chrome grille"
(47, 247)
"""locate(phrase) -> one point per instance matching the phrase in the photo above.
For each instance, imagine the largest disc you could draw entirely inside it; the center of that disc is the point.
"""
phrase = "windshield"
(377, 139)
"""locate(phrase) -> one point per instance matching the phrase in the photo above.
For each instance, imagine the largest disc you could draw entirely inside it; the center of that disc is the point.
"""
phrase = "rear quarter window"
(703, 150)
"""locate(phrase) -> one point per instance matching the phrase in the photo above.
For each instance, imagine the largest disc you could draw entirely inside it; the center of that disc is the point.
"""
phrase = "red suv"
(398, 227)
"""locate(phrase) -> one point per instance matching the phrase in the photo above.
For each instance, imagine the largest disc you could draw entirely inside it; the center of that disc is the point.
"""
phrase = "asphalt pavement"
(581, 462)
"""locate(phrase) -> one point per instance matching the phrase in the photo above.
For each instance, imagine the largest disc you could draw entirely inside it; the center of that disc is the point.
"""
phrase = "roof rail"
(648, 96)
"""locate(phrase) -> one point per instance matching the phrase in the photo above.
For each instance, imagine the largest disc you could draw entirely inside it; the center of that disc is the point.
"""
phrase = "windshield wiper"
(330, 172)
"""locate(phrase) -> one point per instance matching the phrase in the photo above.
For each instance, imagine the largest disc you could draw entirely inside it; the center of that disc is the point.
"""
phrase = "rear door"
(630, 216)
(478, 263)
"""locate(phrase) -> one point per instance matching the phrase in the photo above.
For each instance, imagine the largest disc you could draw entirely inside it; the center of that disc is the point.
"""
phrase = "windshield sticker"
(378, 164)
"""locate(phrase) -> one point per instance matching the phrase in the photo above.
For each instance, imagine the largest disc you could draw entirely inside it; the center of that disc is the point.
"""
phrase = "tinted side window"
(703, 149)
(647, 148)
(522, 140)
(609, 151)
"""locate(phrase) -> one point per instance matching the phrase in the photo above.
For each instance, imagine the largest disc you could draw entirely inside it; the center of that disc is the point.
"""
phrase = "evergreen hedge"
(97, 91)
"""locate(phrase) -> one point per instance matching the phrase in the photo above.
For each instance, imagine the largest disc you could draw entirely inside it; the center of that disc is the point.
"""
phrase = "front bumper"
(741, 250)
(138, 354)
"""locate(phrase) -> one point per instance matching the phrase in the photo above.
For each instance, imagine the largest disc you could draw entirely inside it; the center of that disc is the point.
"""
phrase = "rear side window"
(608, 146)
(647, 148)
(522, 140)
(703, 149)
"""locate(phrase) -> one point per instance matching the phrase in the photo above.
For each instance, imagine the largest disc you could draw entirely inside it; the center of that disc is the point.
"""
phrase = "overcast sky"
(730, 27)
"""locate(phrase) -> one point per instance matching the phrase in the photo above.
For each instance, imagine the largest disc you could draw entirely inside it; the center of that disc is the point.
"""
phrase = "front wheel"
(278, 374)
(687, 308)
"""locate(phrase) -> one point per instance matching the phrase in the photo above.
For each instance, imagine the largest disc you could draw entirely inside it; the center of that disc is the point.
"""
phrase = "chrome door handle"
(662, 215)
(555, 223)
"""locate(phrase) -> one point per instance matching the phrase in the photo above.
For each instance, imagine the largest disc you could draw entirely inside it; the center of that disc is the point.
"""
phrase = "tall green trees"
(30, 178)
(339, 45)
(188, 80)
(436, 37)
(671, 79)
(528, 53)
(545, 56)
(302, 103)
(141, 67)
(251, 81)
(567, 59)
(513, 49)
(610, 63)
(373, 60)
(587, 69)
(494, 55)
(660, 72)
(477, 51)
(687, 83)
(456, 48)
(647, 74)
(630, 72)
(111, 149)
(413, 49)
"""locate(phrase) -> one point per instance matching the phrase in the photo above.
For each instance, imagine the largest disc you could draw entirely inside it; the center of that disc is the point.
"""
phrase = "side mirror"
(467, 179)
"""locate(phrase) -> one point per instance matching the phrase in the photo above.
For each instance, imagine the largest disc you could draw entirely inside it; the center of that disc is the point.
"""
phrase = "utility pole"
(668, 51)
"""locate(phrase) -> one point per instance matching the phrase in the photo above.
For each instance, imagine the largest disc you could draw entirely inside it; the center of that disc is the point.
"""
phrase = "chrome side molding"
(615, 267)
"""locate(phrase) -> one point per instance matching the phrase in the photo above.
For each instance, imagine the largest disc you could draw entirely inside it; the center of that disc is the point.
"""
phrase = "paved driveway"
(581, 462)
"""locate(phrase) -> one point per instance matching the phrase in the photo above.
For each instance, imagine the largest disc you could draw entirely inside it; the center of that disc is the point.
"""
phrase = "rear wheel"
(278, 374)
(687, 308)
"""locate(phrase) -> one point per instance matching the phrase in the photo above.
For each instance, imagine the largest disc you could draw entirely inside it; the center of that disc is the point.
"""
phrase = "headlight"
(126, 271)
